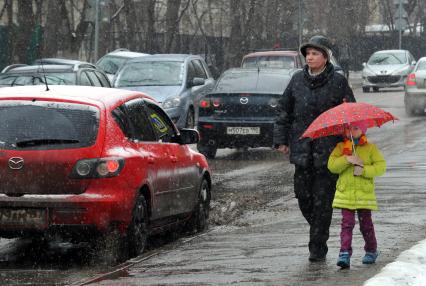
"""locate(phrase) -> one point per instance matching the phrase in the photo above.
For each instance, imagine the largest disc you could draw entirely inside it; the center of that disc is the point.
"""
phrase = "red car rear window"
(47, 125)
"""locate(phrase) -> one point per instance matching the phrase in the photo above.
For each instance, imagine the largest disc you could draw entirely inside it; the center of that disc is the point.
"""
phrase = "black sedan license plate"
(243, 130)
(23, 217)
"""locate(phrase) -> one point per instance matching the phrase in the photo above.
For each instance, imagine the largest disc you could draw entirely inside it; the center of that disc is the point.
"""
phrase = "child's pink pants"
(366, 227)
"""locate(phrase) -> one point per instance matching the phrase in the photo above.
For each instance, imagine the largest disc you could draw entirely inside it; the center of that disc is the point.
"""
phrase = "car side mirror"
(196, 81)
(413, 63)
(189, 136)
(364, 64)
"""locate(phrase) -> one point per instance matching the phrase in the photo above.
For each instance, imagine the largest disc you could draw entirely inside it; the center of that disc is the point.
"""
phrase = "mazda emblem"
(16, 163)
(244, 100)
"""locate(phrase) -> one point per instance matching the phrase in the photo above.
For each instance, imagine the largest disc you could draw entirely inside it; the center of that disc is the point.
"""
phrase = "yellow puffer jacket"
(356, 192)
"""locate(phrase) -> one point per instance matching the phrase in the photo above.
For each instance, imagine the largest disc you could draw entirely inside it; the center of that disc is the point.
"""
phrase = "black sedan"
(241, 110)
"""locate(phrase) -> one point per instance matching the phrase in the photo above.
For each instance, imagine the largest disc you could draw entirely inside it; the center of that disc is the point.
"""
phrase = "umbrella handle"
(352, 140)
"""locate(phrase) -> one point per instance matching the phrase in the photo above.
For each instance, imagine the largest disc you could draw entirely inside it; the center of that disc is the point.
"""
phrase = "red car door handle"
(173, 158)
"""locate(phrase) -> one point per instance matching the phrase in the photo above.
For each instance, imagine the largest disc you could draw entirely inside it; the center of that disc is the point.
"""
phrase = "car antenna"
(42, 68)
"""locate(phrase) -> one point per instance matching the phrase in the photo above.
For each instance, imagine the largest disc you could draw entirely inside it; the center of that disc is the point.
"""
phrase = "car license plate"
(243, 130)
(23, 217)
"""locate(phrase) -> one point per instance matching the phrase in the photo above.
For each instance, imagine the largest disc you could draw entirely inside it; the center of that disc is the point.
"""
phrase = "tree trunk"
(52, 31)
(130, 26)
(172, 17)
(26, 25)
(149, 14)
(235, 38)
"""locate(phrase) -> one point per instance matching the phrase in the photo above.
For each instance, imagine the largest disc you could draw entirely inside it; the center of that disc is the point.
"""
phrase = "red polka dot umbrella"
(333, 121)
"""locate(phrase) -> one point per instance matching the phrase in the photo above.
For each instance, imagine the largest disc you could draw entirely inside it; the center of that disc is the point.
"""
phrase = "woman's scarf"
(347, 144)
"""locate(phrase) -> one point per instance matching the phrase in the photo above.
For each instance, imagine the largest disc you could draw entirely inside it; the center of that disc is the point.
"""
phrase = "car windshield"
(47, 125)
(111, 64)
(280, 62)
(37, 79)
(387, 59)
(151, 73)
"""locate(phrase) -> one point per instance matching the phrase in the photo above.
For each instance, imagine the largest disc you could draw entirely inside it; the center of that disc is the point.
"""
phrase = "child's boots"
(370, 257)
(344, 260)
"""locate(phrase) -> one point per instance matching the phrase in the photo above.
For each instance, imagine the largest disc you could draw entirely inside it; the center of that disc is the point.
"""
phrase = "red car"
(78, 161)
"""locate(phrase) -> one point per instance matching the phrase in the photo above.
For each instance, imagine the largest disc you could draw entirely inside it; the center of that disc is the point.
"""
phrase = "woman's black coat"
(304, 99)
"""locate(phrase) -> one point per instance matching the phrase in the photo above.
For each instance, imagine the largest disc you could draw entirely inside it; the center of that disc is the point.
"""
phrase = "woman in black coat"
(310, 92)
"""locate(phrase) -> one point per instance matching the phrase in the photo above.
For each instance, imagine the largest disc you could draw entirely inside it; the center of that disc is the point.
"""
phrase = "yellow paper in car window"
(158, 123)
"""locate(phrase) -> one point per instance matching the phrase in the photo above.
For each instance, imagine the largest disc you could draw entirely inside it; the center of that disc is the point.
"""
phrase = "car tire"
(200, 216)
(365, 89)
(207, 150)
(375, 89)
(190, 119)
(137, 232)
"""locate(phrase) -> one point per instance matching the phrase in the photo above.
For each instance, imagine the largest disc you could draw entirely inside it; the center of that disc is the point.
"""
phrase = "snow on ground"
(409, 269)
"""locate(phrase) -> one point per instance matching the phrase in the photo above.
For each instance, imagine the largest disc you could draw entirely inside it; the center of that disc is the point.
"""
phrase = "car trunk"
(40, 142)
(41, 172)
(242, 105)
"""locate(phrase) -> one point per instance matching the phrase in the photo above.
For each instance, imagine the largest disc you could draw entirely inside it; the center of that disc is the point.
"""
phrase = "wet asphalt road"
(258, 236)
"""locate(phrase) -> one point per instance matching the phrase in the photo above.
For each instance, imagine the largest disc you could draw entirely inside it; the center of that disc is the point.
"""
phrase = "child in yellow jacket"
(355, 189)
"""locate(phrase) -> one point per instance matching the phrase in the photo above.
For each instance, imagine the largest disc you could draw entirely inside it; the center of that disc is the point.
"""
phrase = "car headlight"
(367, 72)
(171, 102)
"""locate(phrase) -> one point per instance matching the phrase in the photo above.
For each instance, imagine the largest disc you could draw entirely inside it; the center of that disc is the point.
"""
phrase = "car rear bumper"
(67, 214)
(215, 133)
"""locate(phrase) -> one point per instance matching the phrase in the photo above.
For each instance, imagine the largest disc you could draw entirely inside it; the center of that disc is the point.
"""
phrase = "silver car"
(415, 89)
(176, 81)
(388, 68)
(111, 62)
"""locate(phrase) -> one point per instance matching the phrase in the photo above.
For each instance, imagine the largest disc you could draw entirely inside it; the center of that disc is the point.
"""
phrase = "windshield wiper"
(38, 142)
(378, 61)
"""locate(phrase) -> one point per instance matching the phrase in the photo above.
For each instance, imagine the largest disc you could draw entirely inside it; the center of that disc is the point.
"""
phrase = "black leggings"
(314, 189)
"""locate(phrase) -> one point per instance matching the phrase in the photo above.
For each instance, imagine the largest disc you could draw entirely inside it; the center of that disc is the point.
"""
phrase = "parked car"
(113, 61)
(60, 61)
(388, 68)
(177, 81)
(415, 89)
(77, 74)
(241, 110)
(283, 59)
(85, 163)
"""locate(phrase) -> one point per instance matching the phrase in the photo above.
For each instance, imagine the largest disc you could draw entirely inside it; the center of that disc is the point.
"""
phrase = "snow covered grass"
(409, 269)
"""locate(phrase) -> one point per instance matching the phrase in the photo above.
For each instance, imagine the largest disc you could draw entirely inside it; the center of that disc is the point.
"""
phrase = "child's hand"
(358, 170)
(355, 160)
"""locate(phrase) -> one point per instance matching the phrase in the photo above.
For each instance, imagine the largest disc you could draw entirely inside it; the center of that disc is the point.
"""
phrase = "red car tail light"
(411, 79)
(205, 103)
(208, 126)
(97, 168)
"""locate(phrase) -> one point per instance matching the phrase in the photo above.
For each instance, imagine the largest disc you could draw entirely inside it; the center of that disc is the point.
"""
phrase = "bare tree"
(149, 24)
(235, 37)
(25, 28)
